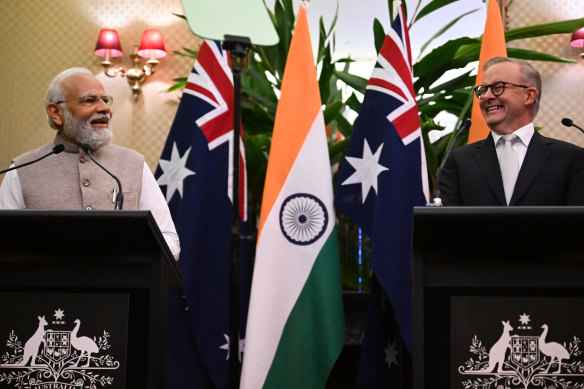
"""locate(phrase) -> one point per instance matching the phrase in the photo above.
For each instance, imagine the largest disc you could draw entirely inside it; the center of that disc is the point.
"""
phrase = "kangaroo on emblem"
(31, 347)
(499, 349)
(553, 350)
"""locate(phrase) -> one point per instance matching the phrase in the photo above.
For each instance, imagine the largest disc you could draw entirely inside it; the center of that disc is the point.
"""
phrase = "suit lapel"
(486, 158)
(537, 155)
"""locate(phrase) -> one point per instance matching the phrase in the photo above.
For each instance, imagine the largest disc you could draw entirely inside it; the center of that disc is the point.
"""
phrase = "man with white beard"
(78, 108)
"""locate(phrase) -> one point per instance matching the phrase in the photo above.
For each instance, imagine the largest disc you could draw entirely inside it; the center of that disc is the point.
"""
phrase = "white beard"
(81, 131)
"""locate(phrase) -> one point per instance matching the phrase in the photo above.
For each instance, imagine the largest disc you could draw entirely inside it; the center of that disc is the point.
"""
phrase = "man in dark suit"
(514, 165)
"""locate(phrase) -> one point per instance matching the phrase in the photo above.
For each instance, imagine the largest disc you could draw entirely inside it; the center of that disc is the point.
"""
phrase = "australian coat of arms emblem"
(524, 356)
(57, 356)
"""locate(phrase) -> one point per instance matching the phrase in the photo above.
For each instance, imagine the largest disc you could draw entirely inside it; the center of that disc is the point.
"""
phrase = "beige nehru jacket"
(71, 180)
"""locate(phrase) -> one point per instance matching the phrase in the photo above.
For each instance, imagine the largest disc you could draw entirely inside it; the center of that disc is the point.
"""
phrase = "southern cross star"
(174, 172)
(241, 346)
(367, 169)
(391, 354)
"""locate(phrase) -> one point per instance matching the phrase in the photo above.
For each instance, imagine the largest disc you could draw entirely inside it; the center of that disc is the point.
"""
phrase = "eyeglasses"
(497, 88)
(90, 100)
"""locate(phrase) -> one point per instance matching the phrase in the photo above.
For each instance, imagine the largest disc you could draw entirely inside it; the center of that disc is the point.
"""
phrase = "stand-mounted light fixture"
(151, 47)
(577, 40)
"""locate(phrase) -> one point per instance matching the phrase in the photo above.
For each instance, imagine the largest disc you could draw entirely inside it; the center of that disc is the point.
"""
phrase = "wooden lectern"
(498, 296)
(84, 296)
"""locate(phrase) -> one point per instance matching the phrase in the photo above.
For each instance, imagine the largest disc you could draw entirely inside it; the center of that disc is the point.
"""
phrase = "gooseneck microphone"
(56, 150)
(570, 123)
(120, 195)
(437, 201)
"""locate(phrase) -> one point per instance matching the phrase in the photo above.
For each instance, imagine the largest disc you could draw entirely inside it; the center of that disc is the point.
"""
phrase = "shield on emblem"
(57, 345)
(525, 351)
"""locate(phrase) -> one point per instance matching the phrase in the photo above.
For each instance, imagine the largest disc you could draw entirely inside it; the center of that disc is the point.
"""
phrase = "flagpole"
(238, 48)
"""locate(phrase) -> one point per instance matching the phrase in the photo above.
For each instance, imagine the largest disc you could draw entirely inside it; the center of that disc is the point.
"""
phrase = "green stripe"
(313, 335)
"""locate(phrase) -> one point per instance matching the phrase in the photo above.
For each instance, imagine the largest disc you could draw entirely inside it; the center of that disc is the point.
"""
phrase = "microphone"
(120, 195)
(570, 123)
(465, 125)
(56, 150)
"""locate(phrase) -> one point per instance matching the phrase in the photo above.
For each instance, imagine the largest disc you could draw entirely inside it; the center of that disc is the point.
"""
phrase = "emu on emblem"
(524, 351)
(57, 345)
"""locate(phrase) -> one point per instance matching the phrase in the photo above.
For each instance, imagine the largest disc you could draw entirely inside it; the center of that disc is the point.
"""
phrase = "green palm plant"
(261, 83)
(455, 95)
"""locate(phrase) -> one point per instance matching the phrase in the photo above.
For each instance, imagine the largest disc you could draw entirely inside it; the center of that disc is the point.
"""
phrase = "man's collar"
(524, 133)
(69, 146)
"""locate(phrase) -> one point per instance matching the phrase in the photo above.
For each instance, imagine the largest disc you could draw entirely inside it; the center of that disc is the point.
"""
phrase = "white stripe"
(221, 56)
(399, 43)
(200, 96)
(282, 268)
(412, 137)
(424, 172)
(387, 92)
(204, 81)
(391, 75)
(228, 137)
(402, 109)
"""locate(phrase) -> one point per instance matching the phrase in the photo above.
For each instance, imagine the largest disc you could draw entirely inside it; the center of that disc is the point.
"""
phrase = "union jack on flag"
(211, 80)
(196, 174)
(395, 79)
(382, 177)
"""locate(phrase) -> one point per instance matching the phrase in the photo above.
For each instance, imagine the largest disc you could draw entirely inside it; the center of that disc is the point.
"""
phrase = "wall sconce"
(577, 40)
(151, 47)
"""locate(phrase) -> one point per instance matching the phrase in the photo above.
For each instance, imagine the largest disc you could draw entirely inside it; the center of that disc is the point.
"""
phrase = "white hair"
(81, 131)
(55, 90)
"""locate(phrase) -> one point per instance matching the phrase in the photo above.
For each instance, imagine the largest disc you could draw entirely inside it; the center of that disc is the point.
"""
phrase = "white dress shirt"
(525, 134)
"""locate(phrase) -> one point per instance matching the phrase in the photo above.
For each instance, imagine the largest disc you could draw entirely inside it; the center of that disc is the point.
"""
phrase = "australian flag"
(382, 177)
(195, 174)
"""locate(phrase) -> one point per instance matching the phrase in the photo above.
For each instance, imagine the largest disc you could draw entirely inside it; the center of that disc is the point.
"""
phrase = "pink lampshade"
(151, 45)
(577, 38)
(108, 40)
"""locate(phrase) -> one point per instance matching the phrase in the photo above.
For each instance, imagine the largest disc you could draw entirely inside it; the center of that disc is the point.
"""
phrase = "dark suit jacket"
(552, 173)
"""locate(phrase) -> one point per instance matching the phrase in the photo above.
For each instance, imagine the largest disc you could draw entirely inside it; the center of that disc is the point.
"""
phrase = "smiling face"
(81, 121)
(514, 108)
(82, 132)
(80, 86)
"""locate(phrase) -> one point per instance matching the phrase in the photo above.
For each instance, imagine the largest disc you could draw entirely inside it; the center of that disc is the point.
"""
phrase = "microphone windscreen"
(567, 122)
(58, 148)
(86, 148)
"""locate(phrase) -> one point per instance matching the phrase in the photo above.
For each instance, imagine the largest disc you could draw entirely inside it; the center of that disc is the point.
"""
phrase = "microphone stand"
(238, 47)
(120, 195)
(570, 123)
(56, 150)
(437, 201)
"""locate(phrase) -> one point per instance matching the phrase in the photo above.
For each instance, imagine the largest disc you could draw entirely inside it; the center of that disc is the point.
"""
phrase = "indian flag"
(295, 325)
(493, 45)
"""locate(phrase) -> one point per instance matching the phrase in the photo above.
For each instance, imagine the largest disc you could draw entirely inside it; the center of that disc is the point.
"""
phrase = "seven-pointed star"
(524, 319)
(59, 313)
(174, 172)
(241, 346)
(367, 169)
(391, 354)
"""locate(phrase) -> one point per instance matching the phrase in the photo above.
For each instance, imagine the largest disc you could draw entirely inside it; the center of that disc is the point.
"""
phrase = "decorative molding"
(504, 4)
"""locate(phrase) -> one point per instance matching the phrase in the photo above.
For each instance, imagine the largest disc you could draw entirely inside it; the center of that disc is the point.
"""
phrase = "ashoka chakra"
(303, 218)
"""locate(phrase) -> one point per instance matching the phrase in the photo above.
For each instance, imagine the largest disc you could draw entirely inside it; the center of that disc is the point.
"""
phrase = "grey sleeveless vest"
(71, 180)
